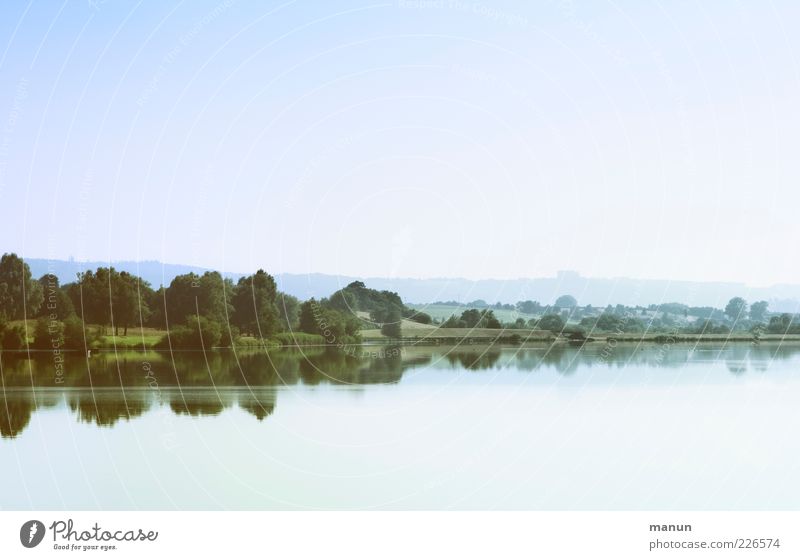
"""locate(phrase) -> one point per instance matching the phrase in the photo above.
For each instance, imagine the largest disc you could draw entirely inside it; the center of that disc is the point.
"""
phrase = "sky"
(406, 138)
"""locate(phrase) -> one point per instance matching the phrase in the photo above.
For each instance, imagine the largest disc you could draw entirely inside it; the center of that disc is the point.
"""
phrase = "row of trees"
(205, 310)
(197, 310)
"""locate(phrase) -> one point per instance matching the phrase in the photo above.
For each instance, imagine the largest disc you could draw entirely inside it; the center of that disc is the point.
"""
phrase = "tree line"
(208, 310)
(197, 311)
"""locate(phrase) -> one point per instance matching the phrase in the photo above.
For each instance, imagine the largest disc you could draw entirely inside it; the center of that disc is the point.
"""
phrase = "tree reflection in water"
(111, 388)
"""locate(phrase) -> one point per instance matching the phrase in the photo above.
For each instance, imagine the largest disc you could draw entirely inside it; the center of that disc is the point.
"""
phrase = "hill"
(598, 292)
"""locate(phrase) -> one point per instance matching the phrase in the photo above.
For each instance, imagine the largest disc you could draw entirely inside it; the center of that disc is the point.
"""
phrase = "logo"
(31, 533)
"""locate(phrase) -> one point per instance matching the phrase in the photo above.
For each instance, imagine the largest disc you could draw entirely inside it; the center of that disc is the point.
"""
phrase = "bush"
(417, 316)
(12, 338)
(195, 334)
(48, 334)
(77, 336)
(230, 336)
(553, 323)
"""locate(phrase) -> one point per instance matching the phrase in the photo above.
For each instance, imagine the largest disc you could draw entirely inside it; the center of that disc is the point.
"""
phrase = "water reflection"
(110, 388)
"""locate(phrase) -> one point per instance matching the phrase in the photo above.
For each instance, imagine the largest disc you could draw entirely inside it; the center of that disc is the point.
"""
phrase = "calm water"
(681, 427)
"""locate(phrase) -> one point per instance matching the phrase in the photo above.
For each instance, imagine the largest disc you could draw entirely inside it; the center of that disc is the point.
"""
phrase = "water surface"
(561, 427)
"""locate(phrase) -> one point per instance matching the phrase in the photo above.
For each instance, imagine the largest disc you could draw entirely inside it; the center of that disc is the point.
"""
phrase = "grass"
(443, 312)
(135, 338)
(413, 330)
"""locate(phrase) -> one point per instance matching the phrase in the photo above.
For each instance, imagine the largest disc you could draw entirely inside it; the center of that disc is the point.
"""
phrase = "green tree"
(780, 324)
(57, 304)
(307, 321)
(566, 302)
(194, 334)
(254, 306)
(453, 322)
(758, 311)
(20, 294)
(553, 323)
(189, 294)
(417, 316)
(12, 338)
(48, 334)
(736, 309)
(333, 325)
(391, 326)
(108, 297)
(76, 336)
(288, 311)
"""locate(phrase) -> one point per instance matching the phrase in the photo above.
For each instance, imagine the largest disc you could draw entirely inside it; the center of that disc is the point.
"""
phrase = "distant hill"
(594, 291)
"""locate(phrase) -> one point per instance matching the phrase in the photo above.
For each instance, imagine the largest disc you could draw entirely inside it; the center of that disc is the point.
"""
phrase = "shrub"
(12, 338)
(77, 336)
(48, 334)
(195, 334)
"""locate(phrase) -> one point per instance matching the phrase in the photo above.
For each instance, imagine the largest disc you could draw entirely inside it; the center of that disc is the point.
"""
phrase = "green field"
(443, 312)
(410, 329)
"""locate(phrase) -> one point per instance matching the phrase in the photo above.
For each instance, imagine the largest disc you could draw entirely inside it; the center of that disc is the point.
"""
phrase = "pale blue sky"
(427, 138)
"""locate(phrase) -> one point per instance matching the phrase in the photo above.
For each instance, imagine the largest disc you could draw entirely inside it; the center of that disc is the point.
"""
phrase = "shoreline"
(447, 342)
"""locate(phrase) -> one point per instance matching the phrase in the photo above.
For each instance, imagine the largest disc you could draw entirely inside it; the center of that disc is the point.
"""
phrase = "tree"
(479, 319)
(566, 301)
(758, 311)
(128, 302)
(12, 338)
(48, 334)
(189, 294)
(108, 297)
(552, 323)
(391, 327)
(288, 311)
(529, 307)
(254, 306)
(333, 325)
(56, 304)
(20, 294)
(417, 316)
(76, 336)
(780, 324)
(453, 322)
(307, 321)
(736, 309)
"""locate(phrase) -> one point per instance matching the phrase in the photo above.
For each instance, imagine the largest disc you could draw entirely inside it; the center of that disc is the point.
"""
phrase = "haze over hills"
(594, 291)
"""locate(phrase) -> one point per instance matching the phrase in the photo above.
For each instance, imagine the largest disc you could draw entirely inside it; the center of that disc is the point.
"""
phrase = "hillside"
(595, 291)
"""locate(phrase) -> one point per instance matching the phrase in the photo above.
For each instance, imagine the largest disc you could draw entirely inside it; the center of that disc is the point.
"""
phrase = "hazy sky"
(418, 138)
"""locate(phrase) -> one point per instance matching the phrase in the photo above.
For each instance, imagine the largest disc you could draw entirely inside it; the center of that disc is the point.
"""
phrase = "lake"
(706, 426)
